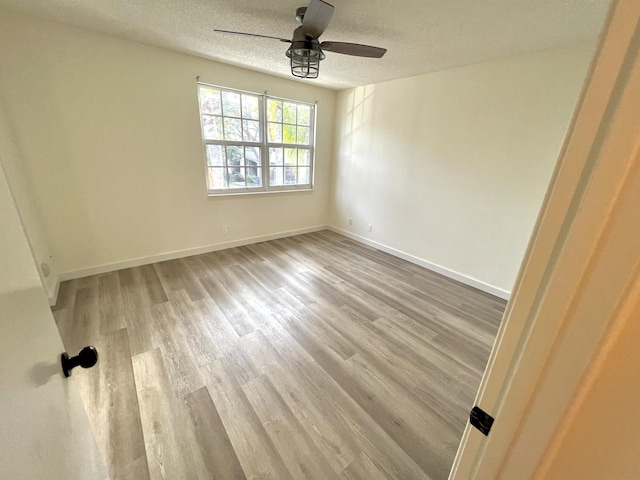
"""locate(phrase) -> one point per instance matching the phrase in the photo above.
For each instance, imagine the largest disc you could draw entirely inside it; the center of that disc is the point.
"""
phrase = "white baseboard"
(136, 262)
(53, 296)
(472, 282)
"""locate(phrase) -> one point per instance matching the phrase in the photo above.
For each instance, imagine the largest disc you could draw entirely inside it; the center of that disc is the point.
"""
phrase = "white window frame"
(263, 145)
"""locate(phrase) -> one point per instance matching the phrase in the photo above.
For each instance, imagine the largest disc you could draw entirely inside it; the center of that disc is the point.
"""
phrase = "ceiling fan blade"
(355, 49)
(316, 18)
(253, 35)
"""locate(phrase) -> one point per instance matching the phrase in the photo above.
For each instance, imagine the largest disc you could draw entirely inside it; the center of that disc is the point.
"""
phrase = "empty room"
(280, 240)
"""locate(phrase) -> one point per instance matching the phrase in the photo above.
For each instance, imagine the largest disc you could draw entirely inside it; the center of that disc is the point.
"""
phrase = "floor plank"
(110, 303)
(300, 454)
(305, 357)
(211, 438)
(169, 452)
(109, 394)
(342, 425)
(363, 468)
(253, 446)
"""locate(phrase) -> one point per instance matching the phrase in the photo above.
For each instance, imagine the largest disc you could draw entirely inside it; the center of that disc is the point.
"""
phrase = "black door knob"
(87, 358)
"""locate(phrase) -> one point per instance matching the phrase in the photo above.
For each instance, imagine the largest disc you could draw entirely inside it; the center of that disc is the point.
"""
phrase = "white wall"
(16, 261)
(451, 167)
(109, 134)
(16, 176)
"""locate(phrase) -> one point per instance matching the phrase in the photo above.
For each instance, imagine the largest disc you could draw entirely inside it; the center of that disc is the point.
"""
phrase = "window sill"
(263, 192)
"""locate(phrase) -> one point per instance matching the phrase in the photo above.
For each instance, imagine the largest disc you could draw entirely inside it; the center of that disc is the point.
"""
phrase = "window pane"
(275, 156)
(290, 156)
(232, 129)
(289, 115)
(230, 104)
(254, 177)
(212, 127)
(274, 110)
(304, 115)
(250, 131)
(276, 176)
(215, 156)
(252, 156)
(234, 156)
(304, 156)
(210, 101)
(303, 136)
(290, 175)
(235, 119)
(217, 178)
(236, 177)
(289, 134)
(304, 175)
(250, 107)
(274, 132)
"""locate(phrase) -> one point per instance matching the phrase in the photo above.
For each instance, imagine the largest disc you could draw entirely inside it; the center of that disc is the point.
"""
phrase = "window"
(255, 143)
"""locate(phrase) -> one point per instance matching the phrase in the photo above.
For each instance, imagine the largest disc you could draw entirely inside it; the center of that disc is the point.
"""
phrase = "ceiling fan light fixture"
(306, 51)
(305, 59)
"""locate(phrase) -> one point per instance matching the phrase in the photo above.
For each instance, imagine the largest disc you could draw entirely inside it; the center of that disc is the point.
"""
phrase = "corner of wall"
(452, 166)
(172, 255)
(459, 277)
(335, 159)
(22, 192)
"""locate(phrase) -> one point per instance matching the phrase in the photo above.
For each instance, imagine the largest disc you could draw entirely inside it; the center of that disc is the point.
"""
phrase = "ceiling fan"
(305, 51)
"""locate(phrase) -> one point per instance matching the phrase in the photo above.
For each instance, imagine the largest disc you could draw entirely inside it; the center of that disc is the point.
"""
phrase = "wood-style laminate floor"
(307, 357)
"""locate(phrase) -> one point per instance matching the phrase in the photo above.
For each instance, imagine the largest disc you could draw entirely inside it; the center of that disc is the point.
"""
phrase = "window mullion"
(225, 171)
(265, 147)
(312, 145)
(244, 147)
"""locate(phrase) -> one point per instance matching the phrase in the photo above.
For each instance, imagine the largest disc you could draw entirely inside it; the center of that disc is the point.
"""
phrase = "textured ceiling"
(421, 35)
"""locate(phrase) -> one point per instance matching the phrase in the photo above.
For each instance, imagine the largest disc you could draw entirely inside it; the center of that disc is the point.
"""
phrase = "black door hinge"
(481, 420)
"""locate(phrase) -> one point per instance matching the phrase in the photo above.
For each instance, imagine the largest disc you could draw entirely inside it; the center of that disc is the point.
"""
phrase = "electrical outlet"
(225, 229)
(350, 221)
(370, 228)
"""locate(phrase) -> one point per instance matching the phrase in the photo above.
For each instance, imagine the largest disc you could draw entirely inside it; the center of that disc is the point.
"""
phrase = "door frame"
(566, 296)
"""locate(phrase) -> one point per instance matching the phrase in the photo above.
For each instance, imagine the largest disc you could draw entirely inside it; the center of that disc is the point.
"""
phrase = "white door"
(44, 429)
(576, 276)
